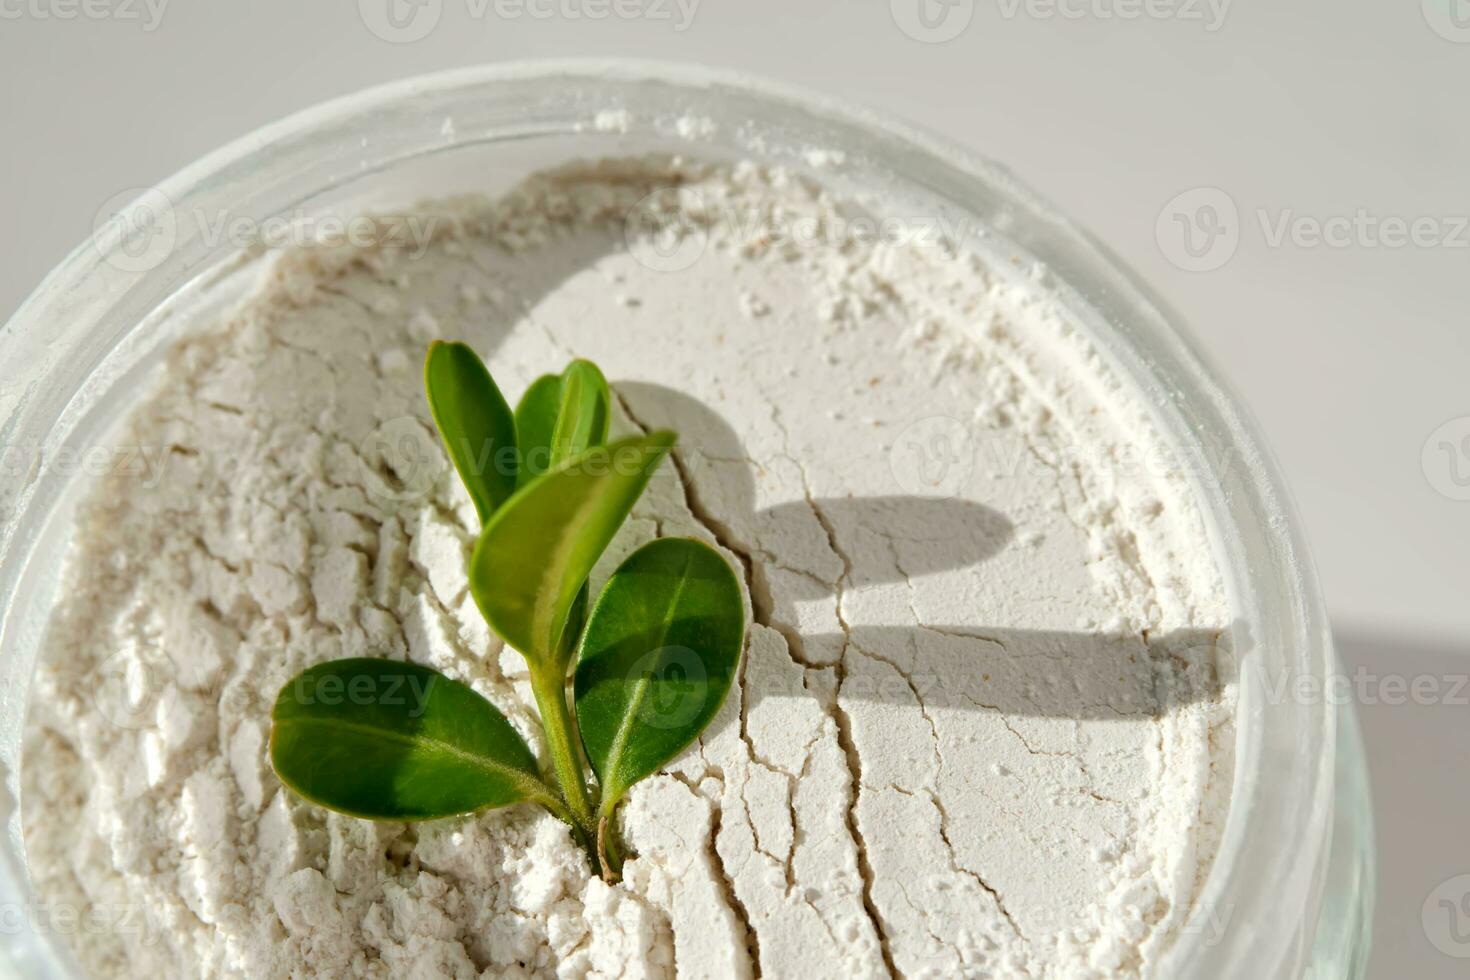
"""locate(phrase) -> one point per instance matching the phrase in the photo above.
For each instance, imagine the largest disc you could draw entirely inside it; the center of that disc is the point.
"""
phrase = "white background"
(1352, 354)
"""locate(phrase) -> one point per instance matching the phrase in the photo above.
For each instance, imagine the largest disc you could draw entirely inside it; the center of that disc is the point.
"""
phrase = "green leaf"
(658, 657)
(476, 424)
(583, 417)
(535, 422)
(559, 417)
(537, 551)
(389, 740)
(576, 619)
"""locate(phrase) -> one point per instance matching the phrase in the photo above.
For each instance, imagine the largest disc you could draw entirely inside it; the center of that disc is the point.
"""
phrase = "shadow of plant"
(864, 542)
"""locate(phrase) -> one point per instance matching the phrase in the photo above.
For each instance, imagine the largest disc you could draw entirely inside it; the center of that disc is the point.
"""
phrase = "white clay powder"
(984, 720)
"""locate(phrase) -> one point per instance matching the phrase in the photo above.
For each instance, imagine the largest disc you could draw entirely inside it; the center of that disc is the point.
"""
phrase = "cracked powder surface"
(984, 720)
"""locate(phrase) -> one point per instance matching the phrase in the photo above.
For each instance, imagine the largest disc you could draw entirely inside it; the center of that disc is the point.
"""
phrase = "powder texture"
(983, 724)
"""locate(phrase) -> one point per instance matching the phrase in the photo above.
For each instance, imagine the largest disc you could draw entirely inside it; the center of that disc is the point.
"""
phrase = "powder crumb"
(695, 127)
(393, 362)
(613, 121)
(423, 326)
(752, 305)
(822, 158)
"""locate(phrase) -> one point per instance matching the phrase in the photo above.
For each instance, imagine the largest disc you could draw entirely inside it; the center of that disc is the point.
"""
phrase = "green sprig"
(654, 658)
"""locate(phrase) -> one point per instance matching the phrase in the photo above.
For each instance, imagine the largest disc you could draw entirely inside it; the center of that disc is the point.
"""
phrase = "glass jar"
(1293, 877)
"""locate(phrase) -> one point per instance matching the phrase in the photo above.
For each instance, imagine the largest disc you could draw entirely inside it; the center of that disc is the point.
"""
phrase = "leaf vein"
(494, 766)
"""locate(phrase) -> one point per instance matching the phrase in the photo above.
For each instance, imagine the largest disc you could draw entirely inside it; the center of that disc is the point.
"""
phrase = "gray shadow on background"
(1419, 772)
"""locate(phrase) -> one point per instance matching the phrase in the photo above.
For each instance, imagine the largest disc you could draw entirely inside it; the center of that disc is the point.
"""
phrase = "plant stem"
(609, 855)
(566, 761)
(551, 799)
